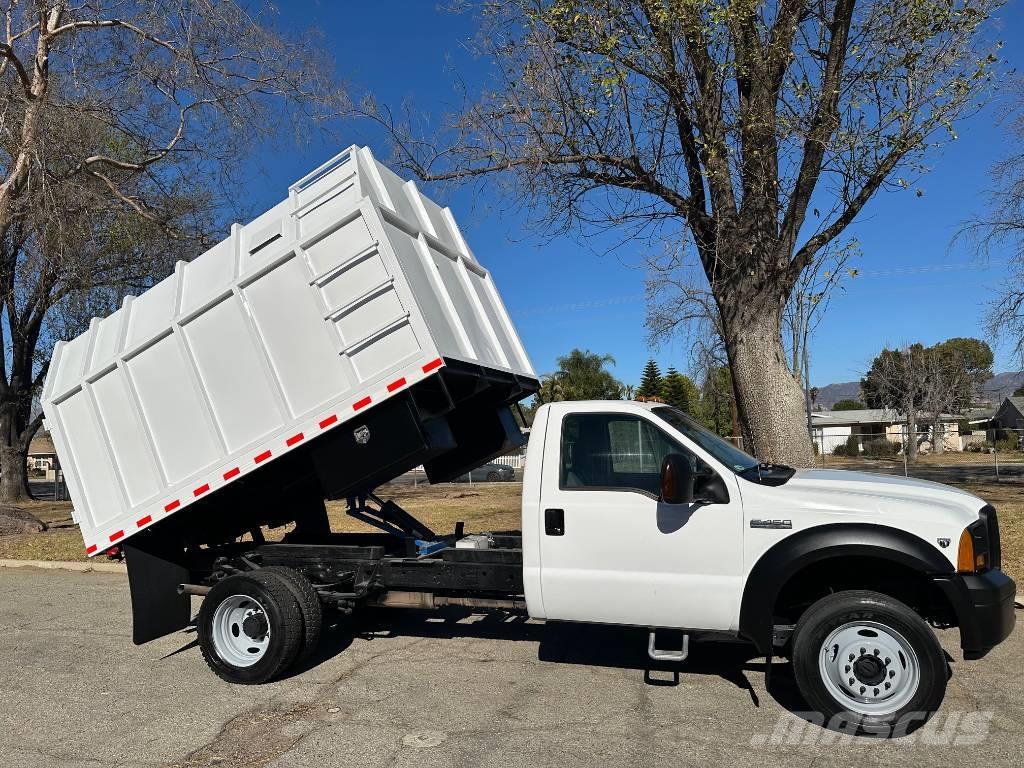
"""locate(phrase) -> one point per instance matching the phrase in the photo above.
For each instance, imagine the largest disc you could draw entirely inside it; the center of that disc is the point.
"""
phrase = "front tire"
(250, 627)
(871, 660)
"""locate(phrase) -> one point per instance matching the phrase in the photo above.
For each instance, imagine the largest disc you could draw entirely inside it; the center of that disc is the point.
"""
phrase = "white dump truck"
(349, 335)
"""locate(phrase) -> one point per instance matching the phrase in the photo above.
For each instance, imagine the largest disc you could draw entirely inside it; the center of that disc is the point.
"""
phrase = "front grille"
(991, 520)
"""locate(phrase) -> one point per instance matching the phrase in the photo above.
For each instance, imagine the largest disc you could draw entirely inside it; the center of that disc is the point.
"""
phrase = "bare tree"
(680, 306)
(809, 302)
(928, 382)
(121, 125)
(897, 381)
(757, 130)
(954, 371)
(1002, 224)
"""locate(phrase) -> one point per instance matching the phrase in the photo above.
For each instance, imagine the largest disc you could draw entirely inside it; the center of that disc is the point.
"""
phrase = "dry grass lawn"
(61, 541)
(482, 506)
(1008, 499)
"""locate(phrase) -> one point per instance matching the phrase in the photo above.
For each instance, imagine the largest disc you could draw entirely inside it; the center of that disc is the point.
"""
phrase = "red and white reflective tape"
(324, 423)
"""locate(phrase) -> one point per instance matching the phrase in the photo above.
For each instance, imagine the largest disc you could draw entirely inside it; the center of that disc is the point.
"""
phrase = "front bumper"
(983, 604)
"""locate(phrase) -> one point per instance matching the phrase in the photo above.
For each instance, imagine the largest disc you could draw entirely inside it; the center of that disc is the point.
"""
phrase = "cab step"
(659, 655)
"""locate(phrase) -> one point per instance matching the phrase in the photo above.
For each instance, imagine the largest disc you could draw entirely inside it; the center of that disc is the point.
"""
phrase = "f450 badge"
(773, 524)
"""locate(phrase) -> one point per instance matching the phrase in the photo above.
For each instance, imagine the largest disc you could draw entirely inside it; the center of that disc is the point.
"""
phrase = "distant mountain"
(831, 394)
(998, 387)
(1002, 385)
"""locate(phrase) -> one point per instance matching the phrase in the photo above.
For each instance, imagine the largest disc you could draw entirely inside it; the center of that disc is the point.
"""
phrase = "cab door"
(610, 551)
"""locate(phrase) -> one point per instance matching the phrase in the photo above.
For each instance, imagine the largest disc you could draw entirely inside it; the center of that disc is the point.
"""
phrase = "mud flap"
(154, 574)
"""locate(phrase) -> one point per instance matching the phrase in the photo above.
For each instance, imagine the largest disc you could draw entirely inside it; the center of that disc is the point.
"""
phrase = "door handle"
(554, 522)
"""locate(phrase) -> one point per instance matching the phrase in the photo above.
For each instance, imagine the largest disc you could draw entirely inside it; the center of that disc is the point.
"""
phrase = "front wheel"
(866, 660)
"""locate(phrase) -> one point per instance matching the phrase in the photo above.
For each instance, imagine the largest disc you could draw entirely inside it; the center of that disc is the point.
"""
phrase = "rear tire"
(493, 477)
(250, 627)
(309, 604)
(871, 660)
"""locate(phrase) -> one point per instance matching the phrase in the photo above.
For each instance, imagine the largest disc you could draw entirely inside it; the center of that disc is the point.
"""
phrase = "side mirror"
(676, 480)
(710, 489)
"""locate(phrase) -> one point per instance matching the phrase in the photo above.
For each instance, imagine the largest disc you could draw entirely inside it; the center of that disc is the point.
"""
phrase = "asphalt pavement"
(414, 688)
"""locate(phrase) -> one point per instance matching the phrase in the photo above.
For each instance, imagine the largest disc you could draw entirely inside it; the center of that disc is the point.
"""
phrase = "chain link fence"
(968, 456)
(974, 456)
(943, 453)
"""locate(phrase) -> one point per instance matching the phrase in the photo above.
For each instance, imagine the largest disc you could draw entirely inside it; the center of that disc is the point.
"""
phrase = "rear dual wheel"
(254, 625)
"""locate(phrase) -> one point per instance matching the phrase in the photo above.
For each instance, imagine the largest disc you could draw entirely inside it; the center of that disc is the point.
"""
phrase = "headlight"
(973, 554)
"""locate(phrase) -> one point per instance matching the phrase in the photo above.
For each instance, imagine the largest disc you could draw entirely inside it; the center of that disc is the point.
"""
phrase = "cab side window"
(614, 451)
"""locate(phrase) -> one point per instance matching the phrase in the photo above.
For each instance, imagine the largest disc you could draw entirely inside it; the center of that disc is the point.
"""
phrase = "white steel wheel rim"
(230, 638)
(869, 667)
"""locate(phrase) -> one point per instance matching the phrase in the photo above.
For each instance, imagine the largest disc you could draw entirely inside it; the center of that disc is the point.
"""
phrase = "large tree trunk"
(911, 446)
(770, 400)
(938, 437)
(13, 468)
(13, 475)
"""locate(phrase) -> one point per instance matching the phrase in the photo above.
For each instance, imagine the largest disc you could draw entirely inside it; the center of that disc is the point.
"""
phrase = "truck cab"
(635, 514)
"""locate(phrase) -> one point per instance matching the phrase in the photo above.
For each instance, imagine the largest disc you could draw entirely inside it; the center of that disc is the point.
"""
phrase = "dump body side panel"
(346, 293)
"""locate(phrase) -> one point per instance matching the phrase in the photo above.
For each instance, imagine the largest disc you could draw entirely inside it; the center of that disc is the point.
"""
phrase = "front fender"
(812, 545)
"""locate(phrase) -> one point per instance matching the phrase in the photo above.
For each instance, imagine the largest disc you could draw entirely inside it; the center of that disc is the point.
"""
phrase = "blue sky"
(914, 285)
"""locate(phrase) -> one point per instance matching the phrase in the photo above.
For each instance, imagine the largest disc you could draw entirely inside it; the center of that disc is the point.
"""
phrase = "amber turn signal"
(965, 561)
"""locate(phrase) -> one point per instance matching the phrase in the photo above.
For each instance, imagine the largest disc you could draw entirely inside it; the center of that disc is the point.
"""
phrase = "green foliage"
(1008, 443)
(849, 448)
(581, 375)
(1018, 392)
(650, 381)
(970, 361)
(716, 407)
(945, 377)
(848, 405)
(880, 448)
(892, 380)
(679, 391)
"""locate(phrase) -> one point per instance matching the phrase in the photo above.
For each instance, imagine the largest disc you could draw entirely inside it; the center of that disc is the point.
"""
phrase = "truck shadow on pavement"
(566, 643)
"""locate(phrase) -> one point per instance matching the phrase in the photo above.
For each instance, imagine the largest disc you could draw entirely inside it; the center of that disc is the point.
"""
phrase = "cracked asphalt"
(412, 688)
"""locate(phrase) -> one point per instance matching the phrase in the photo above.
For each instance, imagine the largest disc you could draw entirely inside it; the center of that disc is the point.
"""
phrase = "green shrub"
(1008, 444)
(850, 448)
(879, 448)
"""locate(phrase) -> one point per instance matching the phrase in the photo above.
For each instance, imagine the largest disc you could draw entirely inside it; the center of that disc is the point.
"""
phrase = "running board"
(658, 655)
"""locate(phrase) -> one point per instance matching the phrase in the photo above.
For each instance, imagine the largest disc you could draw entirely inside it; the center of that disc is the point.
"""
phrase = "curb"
(66, 565)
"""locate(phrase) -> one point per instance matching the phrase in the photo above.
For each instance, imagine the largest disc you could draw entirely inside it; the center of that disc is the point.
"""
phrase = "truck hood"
(884, 499)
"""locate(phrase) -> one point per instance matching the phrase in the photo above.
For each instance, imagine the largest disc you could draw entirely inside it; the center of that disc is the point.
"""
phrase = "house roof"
(41, 444)
(1011, 411)
(859, 416)
(979, 415)
(863, 416)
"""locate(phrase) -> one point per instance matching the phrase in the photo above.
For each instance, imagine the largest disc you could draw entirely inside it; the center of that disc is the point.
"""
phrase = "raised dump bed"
(355, 302)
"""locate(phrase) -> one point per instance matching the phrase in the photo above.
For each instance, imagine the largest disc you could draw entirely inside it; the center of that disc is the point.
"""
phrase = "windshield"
(721, 449)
